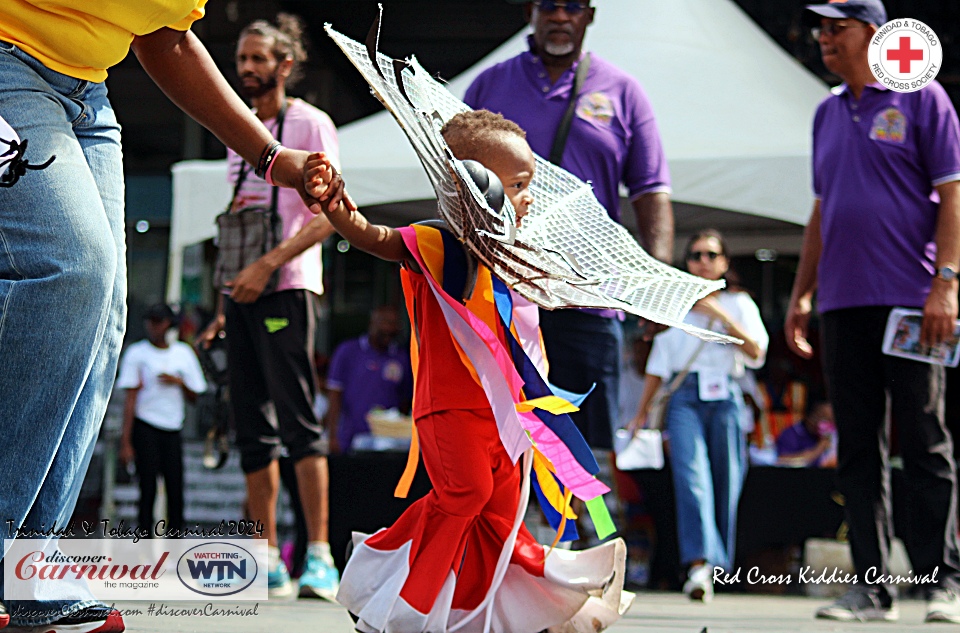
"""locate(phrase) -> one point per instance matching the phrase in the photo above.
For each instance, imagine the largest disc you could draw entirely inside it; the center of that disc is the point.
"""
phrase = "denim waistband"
(691, 382)
(64, 84)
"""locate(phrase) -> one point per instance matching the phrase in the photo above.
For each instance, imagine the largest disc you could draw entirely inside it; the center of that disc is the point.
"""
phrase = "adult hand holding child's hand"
(325, 185)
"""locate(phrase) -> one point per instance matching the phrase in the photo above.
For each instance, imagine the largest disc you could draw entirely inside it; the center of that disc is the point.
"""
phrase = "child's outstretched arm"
(325, 185)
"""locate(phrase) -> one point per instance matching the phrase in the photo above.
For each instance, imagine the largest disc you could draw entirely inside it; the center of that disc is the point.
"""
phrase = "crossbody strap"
(563, 131)
(244, 169)
(678, 379)
(274, 195)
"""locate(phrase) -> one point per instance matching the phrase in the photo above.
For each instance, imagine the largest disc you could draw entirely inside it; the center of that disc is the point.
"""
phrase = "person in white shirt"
(707, 447)
(159, 377)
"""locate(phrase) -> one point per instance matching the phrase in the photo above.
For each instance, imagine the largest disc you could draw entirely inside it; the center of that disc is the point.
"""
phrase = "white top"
(672, 349)
(631, 388)
(159, 404)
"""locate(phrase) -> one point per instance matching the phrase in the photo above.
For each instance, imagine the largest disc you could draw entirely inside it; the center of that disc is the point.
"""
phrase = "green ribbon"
(602, 522)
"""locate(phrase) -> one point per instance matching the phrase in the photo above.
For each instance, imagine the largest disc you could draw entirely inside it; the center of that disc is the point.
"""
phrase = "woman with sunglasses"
(707, 447)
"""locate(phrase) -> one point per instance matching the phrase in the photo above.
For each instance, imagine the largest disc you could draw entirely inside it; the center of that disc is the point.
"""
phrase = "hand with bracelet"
(285, 167)
(279, 166)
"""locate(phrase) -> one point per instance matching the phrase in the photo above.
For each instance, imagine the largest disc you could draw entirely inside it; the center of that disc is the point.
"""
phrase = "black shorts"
(271, 374)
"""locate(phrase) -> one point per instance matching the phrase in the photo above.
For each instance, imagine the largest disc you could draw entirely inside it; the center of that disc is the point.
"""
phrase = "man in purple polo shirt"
(367, 372)
(885, 232)
(613, 139)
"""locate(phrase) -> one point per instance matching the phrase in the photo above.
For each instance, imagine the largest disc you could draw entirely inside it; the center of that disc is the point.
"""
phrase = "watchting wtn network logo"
(905, 55)
(217, 569)
(121, 569)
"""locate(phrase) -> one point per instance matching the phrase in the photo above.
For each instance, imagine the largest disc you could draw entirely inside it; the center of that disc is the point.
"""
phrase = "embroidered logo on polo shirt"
(889, 125)
(596, 107)
(392, 371)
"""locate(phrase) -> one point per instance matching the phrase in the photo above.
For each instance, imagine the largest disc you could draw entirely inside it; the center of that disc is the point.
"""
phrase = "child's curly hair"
(472, 134)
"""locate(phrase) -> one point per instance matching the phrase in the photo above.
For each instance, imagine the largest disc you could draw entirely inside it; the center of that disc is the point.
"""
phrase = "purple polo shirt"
(613, 137)
(367, 378)
(795, 439)
(875, 164)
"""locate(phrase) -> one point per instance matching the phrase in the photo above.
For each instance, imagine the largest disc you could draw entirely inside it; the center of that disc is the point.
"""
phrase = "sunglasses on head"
(572, 8)
(694, 256)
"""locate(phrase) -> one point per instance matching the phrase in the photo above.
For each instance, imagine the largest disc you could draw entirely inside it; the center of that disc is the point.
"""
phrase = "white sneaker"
(943, 605)
(699, 585)
(860, 604)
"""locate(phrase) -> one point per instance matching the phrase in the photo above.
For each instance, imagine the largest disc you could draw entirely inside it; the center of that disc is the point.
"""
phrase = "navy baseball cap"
(869, 11)
(160, 312)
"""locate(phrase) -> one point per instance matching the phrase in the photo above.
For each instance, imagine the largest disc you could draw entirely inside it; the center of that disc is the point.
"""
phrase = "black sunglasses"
(832, 29)
(572, 8)
(693, 256)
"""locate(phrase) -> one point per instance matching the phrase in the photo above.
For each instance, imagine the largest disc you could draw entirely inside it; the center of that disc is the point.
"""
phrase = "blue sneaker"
(278, 582)
(320, 578)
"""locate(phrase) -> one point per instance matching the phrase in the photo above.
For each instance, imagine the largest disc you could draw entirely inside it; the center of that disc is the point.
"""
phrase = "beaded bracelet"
(266, 158)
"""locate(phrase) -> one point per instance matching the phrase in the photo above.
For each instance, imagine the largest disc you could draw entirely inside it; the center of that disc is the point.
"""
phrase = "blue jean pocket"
(7, 47)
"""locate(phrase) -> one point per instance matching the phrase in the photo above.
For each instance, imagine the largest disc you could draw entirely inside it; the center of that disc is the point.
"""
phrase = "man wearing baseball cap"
(159, 377)
(884, 233)
(866, 11)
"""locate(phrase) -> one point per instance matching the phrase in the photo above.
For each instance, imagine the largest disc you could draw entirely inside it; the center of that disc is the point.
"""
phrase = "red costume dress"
(460, 557)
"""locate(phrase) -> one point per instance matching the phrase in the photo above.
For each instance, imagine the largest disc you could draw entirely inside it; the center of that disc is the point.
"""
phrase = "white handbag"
(644, 450)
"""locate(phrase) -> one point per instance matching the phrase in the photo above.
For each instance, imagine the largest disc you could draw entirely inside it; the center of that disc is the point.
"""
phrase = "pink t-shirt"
(307, 128)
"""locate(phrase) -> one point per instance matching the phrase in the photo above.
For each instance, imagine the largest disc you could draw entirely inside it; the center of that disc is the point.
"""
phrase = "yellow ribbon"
(553, 404)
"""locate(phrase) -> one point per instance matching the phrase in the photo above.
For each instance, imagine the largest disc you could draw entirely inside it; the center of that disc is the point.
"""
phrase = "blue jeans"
(62, 298)
(706, 458)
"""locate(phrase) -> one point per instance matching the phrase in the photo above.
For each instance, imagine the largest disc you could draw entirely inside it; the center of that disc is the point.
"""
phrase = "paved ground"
(652, 612)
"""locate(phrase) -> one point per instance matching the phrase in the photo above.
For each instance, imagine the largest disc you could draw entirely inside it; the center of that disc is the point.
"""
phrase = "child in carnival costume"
(461, 555)
(460, 558)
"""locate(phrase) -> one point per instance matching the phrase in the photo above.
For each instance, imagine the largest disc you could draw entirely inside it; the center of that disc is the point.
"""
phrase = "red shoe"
(4, 617)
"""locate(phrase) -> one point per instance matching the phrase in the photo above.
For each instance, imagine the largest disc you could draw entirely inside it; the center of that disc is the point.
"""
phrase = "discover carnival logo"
(905, 55)
(217, 569)
(128, 569)
(39, 565)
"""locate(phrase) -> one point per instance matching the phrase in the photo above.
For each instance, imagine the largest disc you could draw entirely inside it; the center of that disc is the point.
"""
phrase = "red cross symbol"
(905, 55)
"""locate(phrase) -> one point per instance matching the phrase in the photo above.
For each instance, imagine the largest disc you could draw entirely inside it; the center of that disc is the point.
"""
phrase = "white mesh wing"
(568, 253)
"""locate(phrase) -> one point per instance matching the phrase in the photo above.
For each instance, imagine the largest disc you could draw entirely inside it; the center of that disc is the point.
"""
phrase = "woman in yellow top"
(62, 253)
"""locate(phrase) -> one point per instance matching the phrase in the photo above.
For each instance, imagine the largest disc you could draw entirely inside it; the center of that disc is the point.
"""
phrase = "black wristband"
(266, 157)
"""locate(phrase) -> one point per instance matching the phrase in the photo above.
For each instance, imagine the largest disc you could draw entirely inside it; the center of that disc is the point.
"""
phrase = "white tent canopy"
(734, 111)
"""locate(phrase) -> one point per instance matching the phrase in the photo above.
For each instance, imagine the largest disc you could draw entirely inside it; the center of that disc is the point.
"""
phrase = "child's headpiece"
(568, 253)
